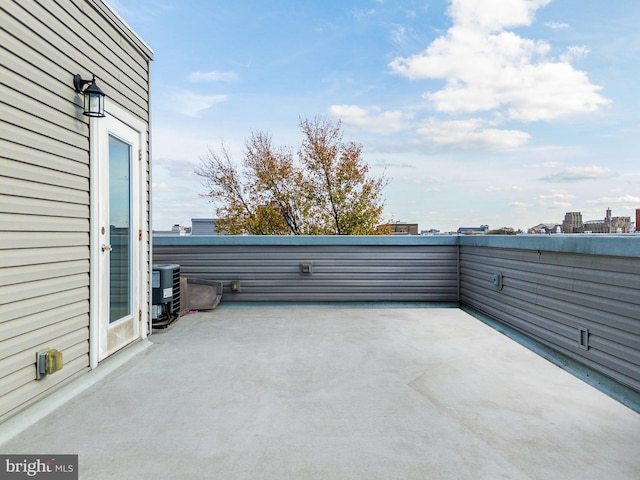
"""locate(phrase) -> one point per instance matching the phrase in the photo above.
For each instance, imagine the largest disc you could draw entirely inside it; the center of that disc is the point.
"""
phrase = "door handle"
(107, 248)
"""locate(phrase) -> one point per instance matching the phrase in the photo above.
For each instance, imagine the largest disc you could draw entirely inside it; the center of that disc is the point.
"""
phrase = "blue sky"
(498, 112)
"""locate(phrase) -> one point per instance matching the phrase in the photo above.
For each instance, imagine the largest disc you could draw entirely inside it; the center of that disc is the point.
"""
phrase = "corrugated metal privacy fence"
(578, 294)
(302, 269)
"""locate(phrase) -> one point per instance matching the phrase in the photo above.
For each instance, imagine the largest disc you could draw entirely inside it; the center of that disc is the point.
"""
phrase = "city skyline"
(626, 224)
(480, 112)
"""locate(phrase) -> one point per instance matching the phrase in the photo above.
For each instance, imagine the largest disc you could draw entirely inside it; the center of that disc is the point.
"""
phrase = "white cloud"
(399, 34)
(176, 168)
(471, 133)
(181, 142)
(492, 15)
(556, 25)
(162, 187)
(574, 53)
(362, 13)
(512, 188)
(551, 164)
(389, 164)
(552, 90)
(556, 196)
(212, 76)
(573, 174)
(192, 104)
(631, 200)
(372, 119)
(417, 180)
(487, 68)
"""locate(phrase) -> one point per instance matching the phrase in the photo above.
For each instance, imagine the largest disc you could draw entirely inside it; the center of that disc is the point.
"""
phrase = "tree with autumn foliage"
(324, 189)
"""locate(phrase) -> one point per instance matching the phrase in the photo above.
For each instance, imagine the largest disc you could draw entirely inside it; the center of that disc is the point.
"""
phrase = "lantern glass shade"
(93, 101)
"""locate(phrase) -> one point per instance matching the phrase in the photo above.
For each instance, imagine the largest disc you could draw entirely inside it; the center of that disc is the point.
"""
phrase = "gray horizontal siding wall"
(44, 178)
(550, 295)
(353, 270)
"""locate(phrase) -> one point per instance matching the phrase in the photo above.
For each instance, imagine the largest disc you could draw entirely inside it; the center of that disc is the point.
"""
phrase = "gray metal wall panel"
(340, 272)
(551, 295)
(44, 184)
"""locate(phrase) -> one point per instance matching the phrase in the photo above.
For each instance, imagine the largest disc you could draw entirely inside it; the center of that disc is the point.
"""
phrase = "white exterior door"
(118, 280)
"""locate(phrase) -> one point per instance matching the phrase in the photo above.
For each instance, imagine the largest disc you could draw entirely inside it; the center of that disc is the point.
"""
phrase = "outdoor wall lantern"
(93, 96)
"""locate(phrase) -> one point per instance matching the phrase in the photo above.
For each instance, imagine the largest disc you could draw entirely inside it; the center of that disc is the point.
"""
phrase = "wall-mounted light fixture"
(93, 96)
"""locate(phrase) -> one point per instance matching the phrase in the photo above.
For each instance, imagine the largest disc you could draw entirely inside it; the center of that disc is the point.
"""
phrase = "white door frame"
(105, 339)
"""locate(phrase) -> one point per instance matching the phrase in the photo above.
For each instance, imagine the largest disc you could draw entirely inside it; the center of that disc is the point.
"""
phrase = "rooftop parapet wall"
(627, 245)
(303, 269)
(305, 240)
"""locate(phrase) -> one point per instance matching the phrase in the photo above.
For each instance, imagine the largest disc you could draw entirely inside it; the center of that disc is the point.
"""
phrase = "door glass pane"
(119, 229)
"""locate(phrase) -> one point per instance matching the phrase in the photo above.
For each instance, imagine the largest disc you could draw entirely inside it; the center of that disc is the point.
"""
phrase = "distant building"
(481, 230)
(205, 226)
(176, 230)
(546, 228)
(572, 223)
(399, 228)
(609, 224)
(181, 230)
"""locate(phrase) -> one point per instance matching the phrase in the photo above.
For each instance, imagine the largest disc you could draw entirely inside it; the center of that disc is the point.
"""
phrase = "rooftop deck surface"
(338, 392)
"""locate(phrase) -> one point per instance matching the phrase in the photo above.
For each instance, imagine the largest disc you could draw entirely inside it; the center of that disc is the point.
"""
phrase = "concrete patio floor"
(331, 392)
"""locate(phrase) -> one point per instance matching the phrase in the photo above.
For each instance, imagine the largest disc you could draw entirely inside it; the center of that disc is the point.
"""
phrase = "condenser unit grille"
(165, 282)
(175, 308)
